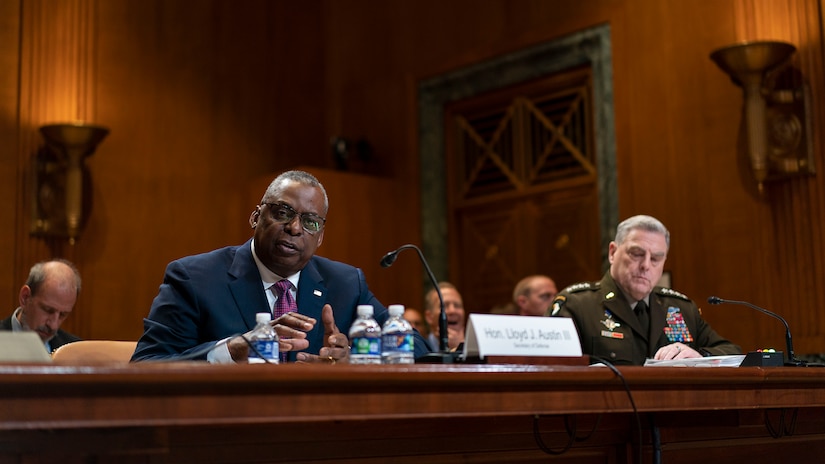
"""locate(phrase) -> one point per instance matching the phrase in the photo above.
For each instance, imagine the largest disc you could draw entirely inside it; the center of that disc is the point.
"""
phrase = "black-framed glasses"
(284, 214)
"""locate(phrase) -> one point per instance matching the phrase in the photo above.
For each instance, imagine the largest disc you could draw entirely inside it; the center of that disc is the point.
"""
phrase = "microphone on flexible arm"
(443, 356)
(792, 361)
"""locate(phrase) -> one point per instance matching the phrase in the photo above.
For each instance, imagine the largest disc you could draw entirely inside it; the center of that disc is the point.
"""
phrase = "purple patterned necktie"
(285, 302)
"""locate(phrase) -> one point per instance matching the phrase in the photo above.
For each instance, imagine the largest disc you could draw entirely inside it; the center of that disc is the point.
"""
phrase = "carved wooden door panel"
(522, 187)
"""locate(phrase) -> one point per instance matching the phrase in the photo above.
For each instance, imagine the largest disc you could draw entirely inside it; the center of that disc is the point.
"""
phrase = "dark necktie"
(285, 303)
(644, 317)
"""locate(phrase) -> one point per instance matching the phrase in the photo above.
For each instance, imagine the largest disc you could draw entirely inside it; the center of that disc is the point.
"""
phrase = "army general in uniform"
(625, 318)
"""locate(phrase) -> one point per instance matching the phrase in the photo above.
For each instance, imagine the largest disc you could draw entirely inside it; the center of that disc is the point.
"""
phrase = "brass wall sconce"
(61, 177)
(776, 108)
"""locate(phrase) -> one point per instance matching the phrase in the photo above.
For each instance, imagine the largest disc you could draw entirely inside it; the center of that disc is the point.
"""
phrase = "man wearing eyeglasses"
(207, 300)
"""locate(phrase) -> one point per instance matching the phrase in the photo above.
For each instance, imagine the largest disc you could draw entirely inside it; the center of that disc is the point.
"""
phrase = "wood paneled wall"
(205, 98)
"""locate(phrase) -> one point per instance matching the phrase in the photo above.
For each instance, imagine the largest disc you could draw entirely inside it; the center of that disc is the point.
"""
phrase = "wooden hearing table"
(193, 412)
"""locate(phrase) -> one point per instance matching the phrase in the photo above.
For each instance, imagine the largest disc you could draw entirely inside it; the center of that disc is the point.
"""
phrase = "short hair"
(430, 294)
(40, 272)
(646, 223)
(301, 177)
(525, 286)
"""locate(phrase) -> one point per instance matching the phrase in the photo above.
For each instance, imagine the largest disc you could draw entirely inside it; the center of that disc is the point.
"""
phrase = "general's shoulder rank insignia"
(670, 292)
(581, 286)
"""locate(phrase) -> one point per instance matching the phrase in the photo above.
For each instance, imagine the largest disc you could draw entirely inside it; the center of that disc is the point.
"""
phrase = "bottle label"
(402, 343)
(268, 349)
(366, 345)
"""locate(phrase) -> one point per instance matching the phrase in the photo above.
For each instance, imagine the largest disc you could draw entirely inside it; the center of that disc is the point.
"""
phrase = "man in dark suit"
(625, 318)
(211, 298)
(46, 300)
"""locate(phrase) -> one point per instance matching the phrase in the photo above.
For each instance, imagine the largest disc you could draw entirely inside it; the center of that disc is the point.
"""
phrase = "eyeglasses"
(285, 214)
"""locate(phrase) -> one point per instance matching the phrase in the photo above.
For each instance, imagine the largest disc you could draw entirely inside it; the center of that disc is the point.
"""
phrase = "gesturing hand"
(336, 345)
(292, 331)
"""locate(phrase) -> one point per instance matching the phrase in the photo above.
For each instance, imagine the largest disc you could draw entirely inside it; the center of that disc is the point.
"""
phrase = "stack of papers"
(710, 361)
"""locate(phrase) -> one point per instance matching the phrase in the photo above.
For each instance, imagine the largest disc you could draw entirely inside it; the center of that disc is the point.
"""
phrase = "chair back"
(94, 352)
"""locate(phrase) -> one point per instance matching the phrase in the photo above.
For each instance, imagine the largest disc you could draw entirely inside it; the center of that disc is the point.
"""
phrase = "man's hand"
(676, 351)
(336, 345)
(455, 337)
(291, 329)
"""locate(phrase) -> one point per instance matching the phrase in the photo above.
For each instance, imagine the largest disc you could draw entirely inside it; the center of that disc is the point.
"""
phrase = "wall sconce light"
(60, 177)
(776, 108)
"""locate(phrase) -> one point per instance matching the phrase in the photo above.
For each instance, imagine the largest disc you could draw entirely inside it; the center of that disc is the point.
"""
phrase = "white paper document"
(710, 361)
(22, 347)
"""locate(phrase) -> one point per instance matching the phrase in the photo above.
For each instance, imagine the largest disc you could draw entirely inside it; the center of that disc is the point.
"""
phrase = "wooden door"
(522, 187)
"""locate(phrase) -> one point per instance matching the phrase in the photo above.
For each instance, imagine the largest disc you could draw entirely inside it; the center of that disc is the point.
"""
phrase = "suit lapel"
(245, 286)
(312, 293)
(658, 315)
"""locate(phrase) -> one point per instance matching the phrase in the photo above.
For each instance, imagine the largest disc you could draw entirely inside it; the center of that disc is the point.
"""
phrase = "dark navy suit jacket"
(208, 297)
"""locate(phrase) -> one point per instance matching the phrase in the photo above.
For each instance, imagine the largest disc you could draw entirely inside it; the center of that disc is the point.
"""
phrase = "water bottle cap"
(262, 318)
(396, 310)
(365, 310)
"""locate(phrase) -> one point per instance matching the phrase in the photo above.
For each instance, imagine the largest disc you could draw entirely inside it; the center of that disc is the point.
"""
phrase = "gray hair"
(301, 177)
(646, 223)
(42, 270)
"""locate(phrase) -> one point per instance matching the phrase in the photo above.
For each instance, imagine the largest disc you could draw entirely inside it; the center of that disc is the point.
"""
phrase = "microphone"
(792, 361)
(443, 356)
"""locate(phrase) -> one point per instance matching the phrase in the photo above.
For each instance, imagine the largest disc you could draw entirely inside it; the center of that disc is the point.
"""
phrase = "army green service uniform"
(608, 327)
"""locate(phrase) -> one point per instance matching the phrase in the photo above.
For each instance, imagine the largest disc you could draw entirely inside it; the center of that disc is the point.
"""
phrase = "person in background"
(625, 318)
(46, 300)
(505, 309)
(206, 301)
(534, 294)
(453, 308)
(414, 317)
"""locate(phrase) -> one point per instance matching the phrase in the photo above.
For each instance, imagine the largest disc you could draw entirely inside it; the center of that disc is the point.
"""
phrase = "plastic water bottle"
(365, 338)
(397, 338)
(265, 341)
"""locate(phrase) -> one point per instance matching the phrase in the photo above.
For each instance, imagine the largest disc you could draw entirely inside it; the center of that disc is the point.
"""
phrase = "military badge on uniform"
(557, 304)
(676, 329)
(611, 325)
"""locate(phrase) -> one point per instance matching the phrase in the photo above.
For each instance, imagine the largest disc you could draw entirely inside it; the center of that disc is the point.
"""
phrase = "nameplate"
(502, 335)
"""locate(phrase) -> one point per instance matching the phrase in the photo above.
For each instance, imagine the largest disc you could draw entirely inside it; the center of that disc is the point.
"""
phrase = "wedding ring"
(678, 348)
(331, 359)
